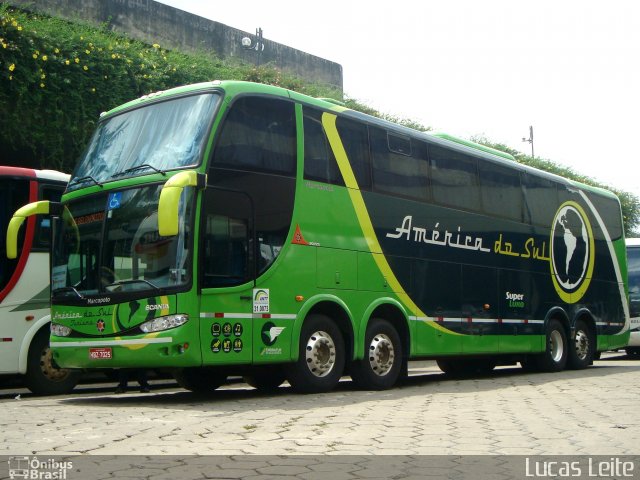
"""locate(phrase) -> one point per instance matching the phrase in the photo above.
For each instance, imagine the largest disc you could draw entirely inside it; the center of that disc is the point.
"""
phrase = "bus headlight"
(60, 330)
(164, 323)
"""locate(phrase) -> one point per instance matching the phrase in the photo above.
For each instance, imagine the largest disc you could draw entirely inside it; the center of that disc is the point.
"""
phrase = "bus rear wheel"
(43, 376)
(581, 355)
(382, 362)
(321, 356)
(554, 358)
(200, 380)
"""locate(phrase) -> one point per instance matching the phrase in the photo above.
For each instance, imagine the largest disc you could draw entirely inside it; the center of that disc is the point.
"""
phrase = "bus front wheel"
(382, 362)
(554, 357)
(43, 376)
(321, 356)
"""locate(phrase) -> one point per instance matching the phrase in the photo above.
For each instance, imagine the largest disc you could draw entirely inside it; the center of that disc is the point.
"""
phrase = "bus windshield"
(157, 137)
(109, 245)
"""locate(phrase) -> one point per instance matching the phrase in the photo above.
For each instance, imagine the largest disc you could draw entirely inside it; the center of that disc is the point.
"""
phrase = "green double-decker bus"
(232, 228)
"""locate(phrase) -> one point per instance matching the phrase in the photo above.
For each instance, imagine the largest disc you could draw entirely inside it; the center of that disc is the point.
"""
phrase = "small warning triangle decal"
(298, 239)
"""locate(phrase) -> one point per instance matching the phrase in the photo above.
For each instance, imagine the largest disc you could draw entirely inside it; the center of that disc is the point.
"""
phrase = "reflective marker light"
(164, 323)
(60, 330)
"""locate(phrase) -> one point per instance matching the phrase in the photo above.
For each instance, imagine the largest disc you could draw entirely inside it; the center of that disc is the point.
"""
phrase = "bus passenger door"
(226, 261)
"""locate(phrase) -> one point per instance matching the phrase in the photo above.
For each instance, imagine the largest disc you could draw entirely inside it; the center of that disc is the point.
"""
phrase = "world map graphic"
(570, 247)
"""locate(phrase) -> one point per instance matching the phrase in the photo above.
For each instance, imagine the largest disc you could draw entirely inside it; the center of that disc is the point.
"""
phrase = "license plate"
(100, 353)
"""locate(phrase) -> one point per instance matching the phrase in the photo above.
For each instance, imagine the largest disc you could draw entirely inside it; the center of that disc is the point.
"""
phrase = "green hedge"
(56, 77)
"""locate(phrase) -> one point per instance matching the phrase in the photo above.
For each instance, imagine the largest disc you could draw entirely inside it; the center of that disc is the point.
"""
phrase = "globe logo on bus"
(571, 252)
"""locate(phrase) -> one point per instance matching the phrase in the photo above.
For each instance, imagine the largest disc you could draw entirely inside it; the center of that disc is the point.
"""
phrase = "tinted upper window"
(258, 134)
(319, 162)
(609, 210)
(399, 164)
(541, 199)
(501, 191)
(355, 140)
(454, 178)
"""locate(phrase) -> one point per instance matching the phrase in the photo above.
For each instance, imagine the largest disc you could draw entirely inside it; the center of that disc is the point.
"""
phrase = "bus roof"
(235, 87)
(53, 175)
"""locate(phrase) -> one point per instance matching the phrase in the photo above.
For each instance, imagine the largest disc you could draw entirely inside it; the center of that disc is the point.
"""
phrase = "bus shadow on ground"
(166, 390)
(237, 396)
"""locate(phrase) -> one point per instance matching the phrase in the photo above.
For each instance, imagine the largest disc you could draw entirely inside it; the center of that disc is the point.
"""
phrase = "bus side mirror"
(168, 218)
(43, 207)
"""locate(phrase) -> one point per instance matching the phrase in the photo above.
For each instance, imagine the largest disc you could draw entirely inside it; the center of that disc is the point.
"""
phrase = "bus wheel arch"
(383, 346)
(333, 308)
(321, 354)
(396, 316)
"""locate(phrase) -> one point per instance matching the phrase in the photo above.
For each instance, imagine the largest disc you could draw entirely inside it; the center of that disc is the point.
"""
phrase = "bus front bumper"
(151, 351)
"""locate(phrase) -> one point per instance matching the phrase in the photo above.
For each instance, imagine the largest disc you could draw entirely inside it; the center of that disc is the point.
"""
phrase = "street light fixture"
(257, 45)
(530, 140)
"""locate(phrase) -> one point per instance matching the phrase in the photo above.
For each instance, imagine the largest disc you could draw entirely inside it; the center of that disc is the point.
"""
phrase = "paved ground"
(510, 412)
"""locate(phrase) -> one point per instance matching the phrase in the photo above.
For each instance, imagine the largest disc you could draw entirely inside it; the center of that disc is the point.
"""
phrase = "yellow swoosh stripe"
(329, 124)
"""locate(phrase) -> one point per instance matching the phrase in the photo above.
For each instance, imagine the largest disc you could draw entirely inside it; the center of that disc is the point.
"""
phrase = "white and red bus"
(24, 284)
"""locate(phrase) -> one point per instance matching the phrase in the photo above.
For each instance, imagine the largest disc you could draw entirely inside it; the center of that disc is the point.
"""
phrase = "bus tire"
(266, 379)
(554, 357)
(43, 376)
(321, 356)
(382, 362)
(200, 379)
(583, 348)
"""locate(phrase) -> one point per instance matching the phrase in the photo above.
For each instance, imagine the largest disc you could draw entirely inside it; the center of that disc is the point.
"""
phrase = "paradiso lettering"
(458, 239)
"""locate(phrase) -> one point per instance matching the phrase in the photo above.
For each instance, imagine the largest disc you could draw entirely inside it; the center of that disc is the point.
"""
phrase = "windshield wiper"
(65, 290)
(120, 283)
(84, 179)
(138, 167)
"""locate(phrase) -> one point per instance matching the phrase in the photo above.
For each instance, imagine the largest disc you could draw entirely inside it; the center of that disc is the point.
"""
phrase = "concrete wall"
(154, 22)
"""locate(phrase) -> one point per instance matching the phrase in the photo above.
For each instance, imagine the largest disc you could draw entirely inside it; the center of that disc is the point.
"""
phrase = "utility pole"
(530, 140)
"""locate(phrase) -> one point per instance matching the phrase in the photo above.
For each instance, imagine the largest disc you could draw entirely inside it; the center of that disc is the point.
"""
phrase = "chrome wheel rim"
(381, 355)
(320, 354)
(582, 344)
(556, 346)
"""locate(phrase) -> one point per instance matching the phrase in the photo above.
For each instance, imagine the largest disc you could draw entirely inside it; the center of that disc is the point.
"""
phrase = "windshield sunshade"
(157, 137)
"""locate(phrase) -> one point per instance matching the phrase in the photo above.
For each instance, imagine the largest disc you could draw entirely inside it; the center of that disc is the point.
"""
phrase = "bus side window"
(454, 178)
(258, 134)
(501, 191)
(610, 209)
(355, 139)
(13, 195)
(319, 162)
(541, 198)
(399, 165)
